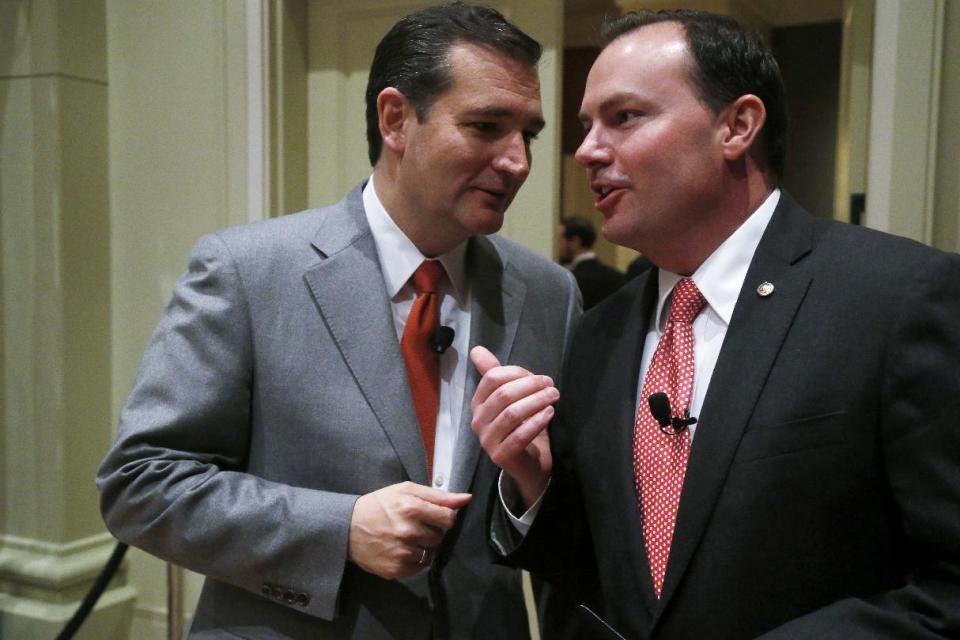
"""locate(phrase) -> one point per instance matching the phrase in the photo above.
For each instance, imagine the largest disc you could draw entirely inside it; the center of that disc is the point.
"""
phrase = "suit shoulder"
(300, 224)
(869, 250)
(527, 261)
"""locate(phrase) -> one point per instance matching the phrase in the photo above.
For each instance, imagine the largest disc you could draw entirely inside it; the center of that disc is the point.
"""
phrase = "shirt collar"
(586, 255)
(721, 275)
(399, 257)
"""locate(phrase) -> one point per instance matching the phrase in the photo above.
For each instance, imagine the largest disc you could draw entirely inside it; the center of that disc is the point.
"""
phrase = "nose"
(514, 157)
(593, 150)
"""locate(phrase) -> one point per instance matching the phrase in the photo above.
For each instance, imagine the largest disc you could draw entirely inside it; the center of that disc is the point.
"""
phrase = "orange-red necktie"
(660, 459)
(422, 362)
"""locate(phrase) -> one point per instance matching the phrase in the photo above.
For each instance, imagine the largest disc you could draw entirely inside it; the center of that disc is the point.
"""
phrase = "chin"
(485, 223)
(617, 232)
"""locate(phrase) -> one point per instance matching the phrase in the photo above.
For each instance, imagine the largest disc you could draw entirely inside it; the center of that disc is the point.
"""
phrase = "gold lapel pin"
(765, 289)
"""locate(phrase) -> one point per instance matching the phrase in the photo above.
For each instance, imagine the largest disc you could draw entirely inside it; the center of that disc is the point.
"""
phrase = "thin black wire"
(95, 592)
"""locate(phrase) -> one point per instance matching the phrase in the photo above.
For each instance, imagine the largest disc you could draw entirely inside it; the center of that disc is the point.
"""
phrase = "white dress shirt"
(399, 258)
(719, 279)
(586, 255)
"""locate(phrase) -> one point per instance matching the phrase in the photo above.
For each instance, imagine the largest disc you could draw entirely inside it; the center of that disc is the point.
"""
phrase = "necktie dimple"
(422, 363)
(660, 459)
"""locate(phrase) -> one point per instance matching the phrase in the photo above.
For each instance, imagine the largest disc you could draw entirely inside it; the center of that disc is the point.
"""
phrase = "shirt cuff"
(510, 497)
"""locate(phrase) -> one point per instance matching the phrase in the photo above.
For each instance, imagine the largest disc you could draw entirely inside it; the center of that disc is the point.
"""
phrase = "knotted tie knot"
(687, 303)
(426, 279)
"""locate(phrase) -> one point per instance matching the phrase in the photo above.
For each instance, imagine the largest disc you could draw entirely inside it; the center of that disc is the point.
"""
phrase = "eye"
(485, 128)
(530, 136)
(625, 116)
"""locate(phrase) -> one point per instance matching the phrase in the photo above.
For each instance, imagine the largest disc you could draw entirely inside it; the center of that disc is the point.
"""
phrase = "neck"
(741, 197)
(428, 241)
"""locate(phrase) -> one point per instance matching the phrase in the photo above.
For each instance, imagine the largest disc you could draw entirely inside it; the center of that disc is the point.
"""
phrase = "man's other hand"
(395, 530)
(511, 410)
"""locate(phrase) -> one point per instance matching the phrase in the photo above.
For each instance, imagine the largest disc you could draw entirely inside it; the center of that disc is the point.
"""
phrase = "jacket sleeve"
(174, 482)
(504, 537)
(920, 439)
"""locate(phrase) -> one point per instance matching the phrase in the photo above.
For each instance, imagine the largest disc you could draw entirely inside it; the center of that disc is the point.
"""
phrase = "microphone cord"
(99, 585)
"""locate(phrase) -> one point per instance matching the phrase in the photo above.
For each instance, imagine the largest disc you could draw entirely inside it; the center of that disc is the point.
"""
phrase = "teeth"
(605, 190)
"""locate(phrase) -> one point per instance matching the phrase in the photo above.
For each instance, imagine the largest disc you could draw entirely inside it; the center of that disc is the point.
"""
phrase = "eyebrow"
(500, 112)
(611, 102)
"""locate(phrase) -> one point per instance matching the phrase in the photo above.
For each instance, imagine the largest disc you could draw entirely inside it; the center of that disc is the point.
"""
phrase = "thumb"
(483, 359)
(441, 498)
(455, 500)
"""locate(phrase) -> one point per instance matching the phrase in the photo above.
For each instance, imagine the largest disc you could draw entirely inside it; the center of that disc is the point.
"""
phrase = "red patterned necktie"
(660, 459)
(422, 362)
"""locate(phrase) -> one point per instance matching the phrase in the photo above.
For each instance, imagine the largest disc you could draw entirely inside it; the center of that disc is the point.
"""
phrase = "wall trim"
(53, 566)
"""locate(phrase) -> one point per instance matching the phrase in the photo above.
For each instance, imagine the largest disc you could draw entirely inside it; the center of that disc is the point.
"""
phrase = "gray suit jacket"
(273, 394)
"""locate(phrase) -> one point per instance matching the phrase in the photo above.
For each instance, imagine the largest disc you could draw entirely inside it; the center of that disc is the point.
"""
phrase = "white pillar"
(55, 397)
(908, 41)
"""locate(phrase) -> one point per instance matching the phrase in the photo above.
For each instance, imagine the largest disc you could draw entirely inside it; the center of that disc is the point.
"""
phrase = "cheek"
(645, 152)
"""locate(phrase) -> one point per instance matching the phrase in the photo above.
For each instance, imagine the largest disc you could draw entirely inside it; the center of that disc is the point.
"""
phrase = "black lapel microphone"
(660, 410)
(441, 339)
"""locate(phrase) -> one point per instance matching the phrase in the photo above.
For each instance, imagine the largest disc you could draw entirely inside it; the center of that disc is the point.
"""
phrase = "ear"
(743, 120)
(393, 109)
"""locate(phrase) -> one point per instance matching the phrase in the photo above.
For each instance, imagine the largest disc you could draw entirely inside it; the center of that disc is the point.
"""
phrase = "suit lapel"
(349, 292)
(632, 343)
(757, 330)
(496, 299)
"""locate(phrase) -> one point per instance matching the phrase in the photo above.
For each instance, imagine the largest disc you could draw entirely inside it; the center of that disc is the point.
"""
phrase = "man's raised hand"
(511, 410)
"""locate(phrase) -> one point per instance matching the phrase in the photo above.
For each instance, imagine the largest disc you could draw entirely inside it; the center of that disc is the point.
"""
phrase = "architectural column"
(946, 215)
(854, 117)
(55, 396)
(904, 117)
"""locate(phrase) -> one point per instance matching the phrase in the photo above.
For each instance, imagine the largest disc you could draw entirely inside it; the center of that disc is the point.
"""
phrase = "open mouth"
(605, 194)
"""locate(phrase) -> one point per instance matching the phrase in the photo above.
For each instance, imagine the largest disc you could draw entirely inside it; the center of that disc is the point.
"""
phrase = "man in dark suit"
(595, 279)
(817, 494)
(281, 439)
(637, 266)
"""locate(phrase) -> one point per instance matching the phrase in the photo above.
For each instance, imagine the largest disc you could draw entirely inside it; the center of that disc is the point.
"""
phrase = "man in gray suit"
(271, 440)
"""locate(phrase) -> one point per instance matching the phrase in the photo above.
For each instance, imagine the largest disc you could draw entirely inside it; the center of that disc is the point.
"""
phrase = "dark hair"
(577, 227)
(729, 61)
(413, 56)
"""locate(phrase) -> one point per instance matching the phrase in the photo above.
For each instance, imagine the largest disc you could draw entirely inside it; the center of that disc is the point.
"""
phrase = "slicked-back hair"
(729, 61)
(577, 227)
(414, 56)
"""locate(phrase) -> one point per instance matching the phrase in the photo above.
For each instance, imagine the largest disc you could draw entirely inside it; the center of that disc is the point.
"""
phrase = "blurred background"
(128, 128)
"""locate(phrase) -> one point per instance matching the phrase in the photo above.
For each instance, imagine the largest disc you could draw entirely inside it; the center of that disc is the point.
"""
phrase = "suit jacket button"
(303, 599)
(277, 593)
(288, 597)
(265, 589)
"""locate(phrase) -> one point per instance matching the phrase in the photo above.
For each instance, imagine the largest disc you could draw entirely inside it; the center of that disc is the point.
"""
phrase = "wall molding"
(50, 566)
